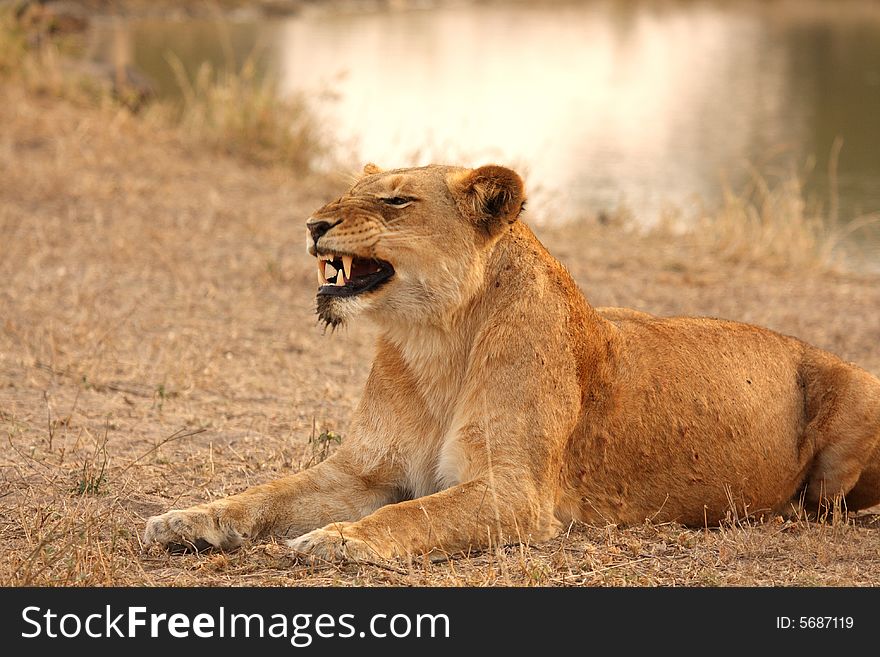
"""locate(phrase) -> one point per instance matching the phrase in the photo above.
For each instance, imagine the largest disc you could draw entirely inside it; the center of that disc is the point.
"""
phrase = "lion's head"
(410, 244)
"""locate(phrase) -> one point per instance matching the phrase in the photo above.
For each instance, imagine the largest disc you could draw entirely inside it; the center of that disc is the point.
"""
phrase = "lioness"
(502, 406)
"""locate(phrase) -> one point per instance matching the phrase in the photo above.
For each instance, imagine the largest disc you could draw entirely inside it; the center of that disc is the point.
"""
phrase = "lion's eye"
(396, 200)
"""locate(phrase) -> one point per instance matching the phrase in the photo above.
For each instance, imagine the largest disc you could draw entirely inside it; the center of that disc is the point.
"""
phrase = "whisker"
(391, 222)
(407, 238)
(410, 235)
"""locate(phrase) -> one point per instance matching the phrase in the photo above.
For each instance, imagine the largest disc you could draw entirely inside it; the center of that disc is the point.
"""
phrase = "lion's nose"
(318, 228)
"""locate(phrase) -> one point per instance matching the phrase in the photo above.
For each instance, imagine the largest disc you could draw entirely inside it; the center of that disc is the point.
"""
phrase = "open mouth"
(347, 276)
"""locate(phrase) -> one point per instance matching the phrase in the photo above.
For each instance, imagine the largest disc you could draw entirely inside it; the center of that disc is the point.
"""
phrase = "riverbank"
(158, 347)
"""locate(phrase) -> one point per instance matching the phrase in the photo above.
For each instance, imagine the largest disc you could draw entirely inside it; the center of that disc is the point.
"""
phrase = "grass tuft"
(770, 224)
(93, 474)
(233, 109)
(320, 444)
(243, 113)
(13, 42)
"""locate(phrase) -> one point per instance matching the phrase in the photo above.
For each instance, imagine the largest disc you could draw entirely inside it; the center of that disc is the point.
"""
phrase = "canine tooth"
(322, 279)
(346, 265)
(340, 278)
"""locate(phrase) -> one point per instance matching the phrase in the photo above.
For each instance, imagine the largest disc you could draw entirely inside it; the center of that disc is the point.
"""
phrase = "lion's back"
(699, 409)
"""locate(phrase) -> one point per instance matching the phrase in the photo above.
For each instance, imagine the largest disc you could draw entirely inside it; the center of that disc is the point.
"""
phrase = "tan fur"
(502, 406)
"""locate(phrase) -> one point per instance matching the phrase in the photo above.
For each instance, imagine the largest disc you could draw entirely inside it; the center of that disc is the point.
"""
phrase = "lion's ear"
(493, 196)
(370, 168)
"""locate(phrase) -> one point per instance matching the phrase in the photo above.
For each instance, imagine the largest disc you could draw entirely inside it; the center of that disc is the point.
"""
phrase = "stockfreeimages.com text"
(300, 629)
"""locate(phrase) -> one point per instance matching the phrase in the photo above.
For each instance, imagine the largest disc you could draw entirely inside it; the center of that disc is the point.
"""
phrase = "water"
(645, 105)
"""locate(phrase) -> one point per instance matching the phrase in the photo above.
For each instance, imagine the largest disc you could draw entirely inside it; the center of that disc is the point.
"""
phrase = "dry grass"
(158, 347)
(772, 225)
(242, 113)
(769, 225)
(31, 60)
(13, 43)
(235, 110)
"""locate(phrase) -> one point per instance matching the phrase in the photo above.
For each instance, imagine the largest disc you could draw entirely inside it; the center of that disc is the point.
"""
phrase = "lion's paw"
(190, 529)
(337, 542)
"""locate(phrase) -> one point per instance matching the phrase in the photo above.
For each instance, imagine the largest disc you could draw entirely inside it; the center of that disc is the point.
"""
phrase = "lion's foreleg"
(472, 515)
(334, 490)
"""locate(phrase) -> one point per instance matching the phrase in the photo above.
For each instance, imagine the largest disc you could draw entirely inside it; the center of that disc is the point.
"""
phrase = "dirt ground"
(158, 347)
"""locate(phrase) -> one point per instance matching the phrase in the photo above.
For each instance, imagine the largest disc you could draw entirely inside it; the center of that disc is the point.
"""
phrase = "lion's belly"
(692, 430)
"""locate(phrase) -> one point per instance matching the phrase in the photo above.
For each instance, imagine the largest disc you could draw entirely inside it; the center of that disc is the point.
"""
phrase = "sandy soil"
(158, 347)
